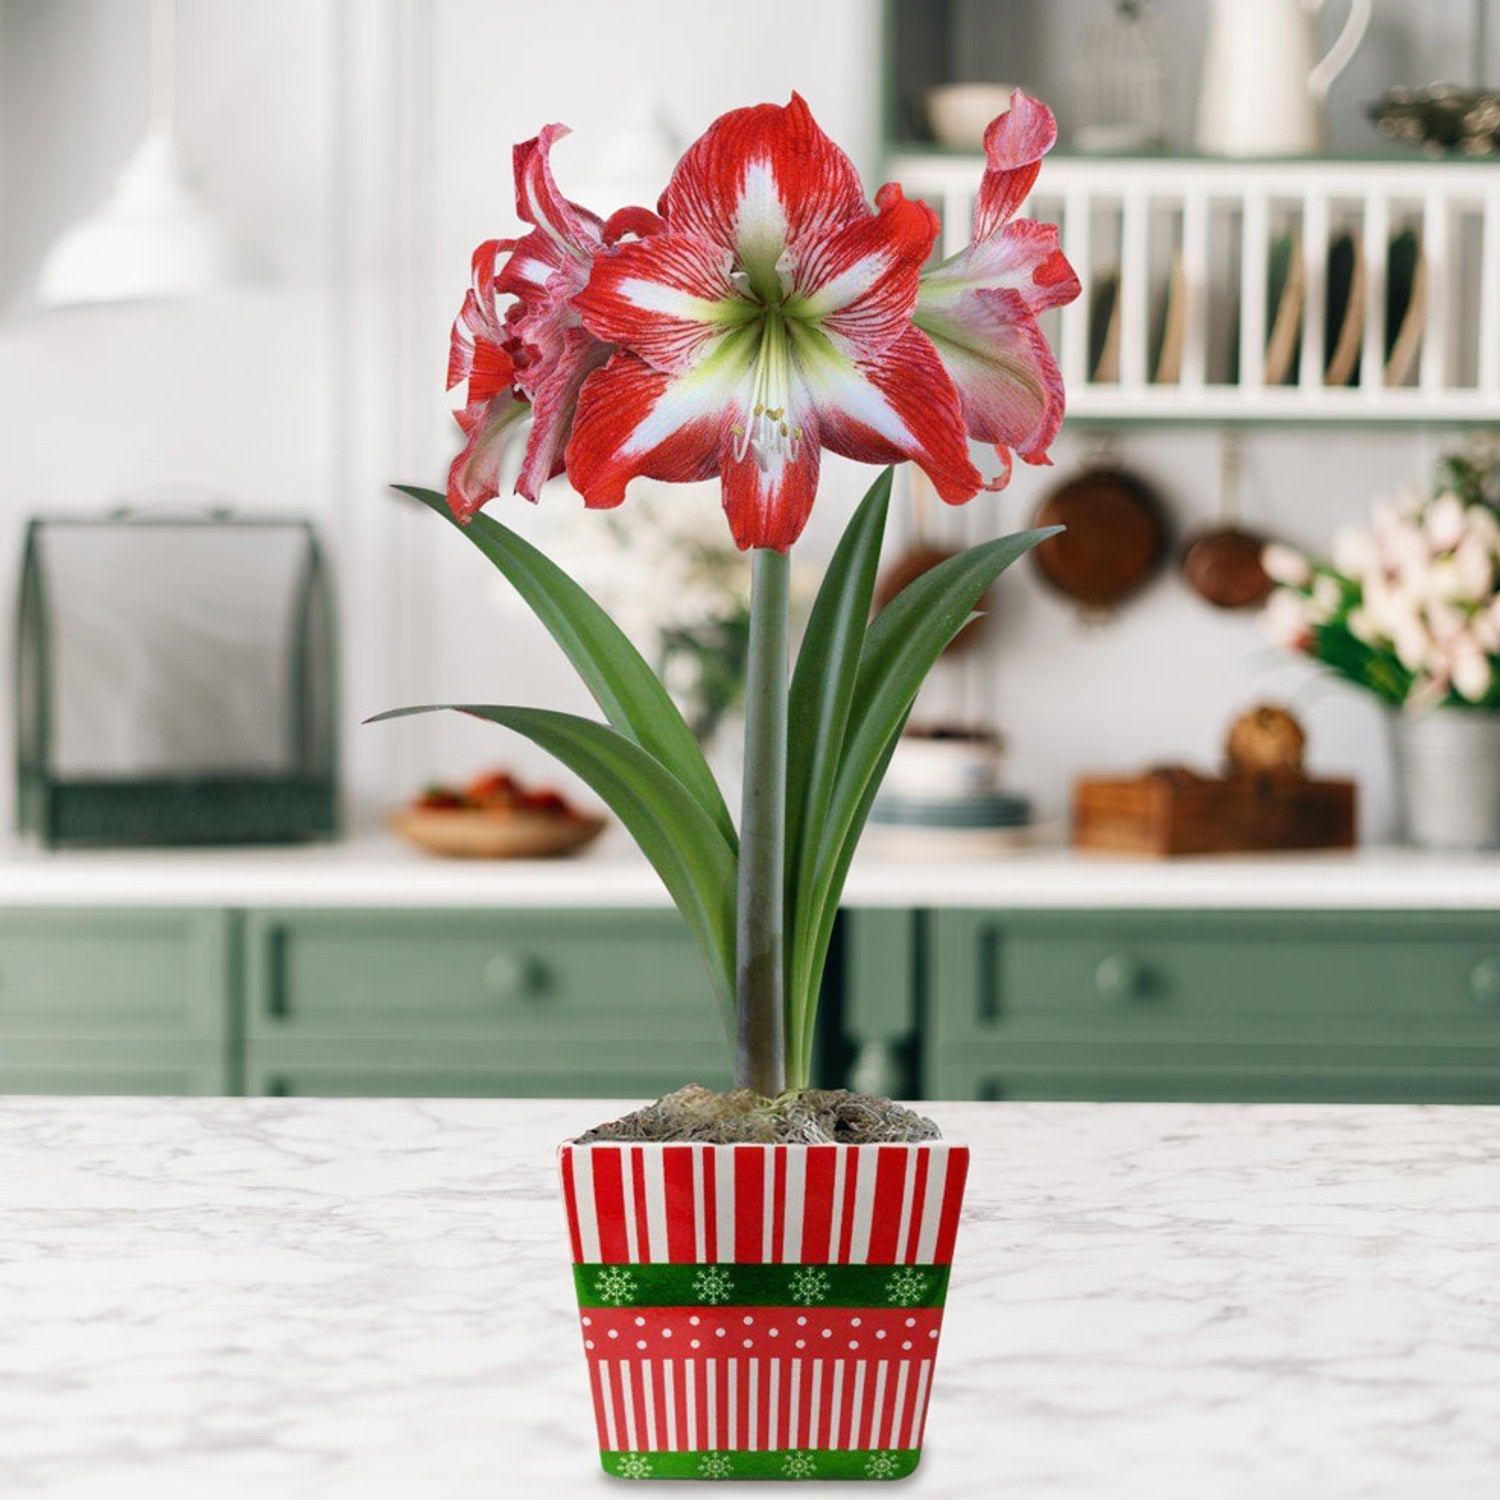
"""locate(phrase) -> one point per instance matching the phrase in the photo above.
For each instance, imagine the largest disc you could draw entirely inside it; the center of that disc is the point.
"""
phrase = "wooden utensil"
(1222, 565)
(1116, 536)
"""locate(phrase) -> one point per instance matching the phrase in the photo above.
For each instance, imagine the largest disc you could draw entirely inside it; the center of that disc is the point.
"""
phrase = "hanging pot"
(921, 556)
(1222, 564)
(1115, 538)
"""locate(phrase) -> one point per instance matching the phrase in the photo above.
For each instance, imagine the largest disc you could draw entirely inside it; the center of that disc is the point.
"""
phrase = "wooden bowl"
(473, 833)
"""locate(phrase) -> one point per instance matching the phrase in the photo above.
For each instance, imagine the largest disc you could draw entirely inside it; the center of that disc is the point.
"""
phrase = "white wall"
(358, 149)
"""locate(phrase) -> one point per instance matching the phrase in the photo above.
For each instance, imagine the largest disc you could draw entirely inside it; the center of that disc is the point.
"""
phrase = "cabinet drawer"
(325, 1069)
(523, 975)
(113, 974)
(1233, 977)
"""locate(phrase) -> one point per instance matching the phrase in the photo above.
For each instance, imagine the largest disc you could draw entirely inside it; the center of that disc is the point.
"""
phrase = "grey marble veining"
(340, 1299)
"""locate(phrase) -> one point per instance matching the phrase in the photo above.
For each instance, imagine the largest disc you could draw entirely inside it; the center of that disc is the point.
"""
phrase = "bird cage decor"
(175, 681)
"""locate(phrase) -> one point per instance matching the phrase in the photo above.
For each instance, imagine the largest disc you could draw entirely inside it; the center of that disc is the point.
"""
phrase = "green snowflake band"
(781, 1463)
(690, 1285)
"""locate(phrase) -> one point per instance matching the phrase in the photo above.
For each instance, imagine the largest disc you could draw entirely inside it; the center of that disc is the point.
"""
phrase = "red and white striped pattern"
(677, 1405)
(824, 1205)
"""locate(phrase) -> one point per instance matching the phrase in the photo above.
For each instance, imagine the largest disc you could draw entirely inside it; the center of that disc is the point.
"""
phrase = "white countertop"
(379, 871)
(331, 1299)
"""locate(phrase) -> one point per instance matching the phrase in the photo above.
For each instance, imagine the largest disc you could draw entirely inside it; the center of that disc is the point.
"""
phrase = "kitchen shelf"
(1126, 221)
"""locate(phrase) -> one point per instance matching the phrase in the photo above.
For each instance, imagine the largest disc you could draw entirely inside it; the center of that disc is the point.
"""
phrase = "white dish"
(942, 770)
(958, 113)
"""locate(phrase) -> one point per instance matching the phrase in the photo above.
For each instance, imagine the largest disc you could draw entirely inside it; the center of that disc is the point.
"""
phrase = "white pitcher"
(1263, 89)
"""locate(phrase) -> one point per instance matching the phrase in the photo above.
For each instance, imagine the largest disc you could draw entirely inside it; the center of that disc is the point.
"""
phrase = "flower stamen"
(768, 435)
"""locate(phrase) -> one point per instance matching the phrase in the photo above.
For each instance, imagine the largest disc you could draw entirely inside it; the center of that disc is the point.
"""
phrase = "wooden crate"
(1166, 813)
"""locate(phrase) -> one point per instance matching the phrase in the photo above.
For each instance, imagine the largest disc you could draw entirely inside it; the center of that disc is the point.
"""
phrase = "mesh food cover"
(175, 681)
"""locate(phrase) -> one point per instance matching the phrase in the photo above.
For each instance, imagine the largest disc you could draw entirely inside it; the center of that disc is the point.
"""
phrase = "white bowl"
(958, 113)
(942, 770)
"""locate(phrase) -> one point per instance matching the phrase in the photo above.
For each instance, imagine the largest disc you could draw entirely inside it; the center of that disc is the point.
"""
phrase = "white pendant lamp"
(153, 237)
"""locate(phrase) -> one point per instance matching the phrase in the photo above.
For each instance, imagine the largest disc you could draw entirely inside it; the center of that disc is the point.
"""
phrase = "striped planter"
(761, 1312)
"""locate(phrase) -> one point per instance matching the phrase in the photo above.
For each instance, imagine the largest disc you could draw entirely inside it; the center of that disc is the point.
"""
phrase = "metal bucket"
(1448, 777)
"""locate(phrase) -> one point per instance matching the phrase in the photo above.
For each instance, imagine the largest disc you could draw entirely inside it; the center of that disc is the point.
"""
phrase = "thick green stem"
(760, 982)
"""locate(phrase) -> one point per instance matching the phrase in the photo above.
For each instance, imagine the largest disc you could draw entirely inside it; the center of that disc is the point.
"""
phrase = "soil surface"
(801, 1117)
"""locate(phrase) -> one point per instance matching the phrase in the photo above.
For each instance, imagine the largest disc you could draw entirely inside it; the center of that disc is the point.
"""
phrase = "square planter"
(761, 1312)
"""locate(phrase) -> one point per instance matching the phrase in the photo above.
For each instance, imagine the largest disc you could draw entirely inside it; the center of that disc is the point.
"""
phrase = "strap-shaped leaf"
(901, 647)
(686, 847)
(623, 685)
(821, 693)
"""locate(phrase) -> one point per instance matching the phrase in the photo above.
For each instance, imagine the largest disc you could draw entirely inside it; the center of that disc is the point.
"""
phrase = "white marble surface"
(366, 1299)
(378, 871)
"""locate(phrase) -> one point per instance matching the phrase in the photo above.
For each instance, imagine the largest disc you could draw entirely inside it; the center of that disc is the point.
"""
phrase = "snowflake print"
(906, 1288)
(713, 1285)
(614, 1286)
(715, 1466)
(809, 1285)
(799, 1466)
(882, 1466)
(634, 1466)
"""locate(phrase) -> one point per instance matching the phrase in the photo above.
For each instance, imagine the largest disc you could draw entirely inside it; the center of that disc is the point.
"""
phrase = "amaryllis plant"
(765, 311)
(1409, 609)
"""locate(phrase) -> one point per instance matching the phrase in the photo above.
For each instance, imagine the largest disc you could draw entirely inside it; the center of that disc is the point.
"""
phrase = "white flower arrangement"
(1410, 608)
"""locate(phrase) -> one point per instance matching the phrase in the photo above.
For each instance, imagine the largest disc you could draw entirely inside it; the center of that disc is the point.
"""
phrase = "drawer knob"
(514, 974)
(1484, 981)
(1119, 978)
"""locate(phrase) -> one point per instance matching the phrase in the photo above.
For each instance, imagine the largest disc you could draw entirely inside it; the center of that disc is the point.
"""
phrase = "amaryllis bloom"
(769, 318)
(539, 347)
(979, 307)
(492, 406)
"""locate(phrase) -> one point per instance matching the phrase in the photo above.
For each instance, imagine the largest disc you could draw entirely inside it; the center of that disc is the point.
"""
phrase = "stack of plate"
(941, 798)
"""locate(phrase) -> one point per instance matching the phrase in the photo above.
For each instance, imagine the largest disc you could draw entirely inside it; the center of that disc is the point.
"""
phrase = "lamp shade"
(151, 239)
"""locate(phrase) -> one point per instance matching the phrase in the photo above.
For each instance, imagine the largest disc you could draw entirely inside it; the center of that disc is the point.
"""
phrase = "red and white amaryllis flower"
(979, 307)
(540, 348)
(770, 312)
(769, 318)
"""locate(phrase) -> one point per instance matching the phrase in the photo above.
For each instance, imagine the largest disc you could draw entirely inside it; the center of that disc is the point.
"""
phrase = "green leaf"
(685, 846)
(821, 694)
(901, 646)
(622, 683)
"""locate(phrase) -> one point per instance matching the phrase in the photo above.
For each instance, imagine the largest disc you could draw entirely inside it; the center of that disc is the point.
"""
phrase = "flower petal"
(860, 282)
(554, 401)
(637, 221)
(474, 476)
(634, 420)
(768, 500)
(664, 298)
(533, 260)
(1023, 257)
(759, 180)
(1014, 145)
(538, 201)
(898, 405)
(475, 351)
(1007, 380)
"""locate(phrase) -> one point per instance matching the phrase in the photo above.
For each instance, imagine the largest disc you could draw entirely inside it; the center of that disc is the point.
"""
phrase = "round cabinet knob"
(1119, 978)
(1484, 982)
(514, 975)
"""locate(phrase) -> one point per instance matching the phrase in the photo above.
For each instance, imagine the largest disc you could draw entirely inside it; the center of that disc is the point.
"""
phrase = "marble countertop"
(364, 1299)
(374, 871)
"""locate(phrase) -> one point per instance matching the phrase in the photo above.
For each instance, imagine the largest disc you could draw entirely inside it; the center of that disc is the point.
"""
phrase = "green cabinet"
(115, 1001)
(587, 1003)
(1210, 1005)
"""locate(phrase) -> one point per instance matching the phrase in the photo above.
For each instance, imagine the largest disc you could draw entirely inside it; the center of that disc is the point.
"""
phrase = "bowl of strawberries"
(495, 816)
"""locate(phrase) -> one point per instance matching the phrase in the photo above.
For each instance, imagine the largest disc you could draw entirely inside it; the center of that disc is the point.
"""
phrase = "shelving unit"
(1135, 216)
